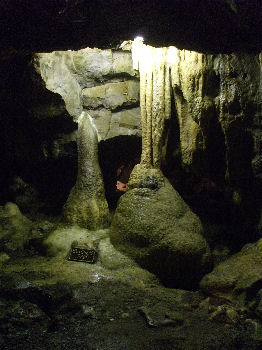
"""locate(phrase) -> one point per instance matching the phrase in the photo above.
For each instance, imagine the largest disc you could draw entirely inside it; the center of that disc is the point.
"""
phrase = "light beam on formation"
(154, 65)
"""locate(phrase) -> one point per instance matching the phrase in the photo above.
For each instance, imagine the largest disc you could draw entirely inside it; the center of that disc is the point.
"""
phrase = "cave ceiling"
(200, 25)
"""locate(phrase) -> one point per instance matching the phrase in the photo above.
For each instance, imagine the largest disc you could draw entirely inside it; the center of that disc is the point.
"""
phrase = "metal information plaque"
(83, 255)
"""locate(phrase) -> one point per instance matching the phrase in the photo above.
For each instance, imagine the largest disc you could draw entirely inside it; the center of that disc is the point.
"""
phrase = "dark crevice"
(114, 153)
(39, 167)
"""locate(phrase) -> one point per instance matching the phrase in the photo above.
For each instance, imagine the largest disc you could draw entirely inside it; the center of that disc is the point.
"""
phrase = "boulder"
(125, 122)
(111, 124)
(153, 225)
(20, 236)
(25, 196)
(239, 276)
(18, 316)
(60, 241)
(15, 228)
(112, 95)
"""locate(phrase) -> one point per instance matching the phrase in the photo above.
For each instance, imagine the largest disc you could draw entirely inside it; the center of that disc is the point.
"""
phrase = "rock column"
(86, 205)
(155, 100)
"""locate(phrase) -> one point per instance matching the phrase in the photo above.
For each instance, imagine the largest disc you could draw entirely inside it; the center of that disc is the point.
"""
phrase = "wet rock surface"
(48, 302)
(112, 315)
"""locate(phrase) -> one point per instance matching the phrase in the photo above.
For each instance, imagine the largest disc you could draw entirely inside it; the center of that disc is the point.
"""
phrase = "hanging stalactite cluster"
(155, 98)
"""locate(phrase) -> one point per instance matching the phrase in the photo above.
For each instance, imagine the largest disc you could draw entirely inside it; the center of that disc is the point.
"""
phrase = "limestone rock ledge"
(99, 82)
(153, 225)
(239, 276)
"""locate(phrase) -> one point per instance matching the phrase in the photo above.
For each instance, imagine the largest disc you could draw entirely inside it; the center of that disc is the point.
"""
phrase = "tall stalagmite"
(86, 205)
(64, 73)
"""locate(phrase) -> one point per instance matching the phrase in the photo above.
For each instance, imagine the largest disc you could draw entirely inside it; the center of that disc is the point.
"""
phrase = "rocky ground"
(107, 314)
(48, 302)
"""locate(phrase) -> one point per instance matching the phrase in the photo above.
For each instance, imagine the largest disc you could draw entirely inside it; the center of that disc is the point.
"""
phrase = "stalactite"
(155, 98)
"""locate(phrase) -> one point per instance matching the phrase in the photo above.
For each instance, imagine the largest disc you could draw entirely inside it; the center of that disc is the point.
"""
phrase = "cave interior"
(131, 173)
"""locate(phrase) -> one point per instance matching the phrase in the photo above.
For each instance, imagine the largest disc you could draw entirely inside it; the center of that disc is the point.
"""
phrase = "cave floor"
(52, 303)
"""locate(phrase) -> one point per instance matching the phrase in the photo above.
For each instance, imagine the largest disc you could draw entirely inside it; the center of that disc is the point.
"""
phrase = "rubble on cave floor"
(48, 301)
(55, 303)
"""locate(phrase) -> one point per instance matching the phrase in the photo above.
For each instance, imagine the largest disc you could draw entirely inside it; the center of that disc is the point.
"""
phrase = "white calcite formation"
(155, 98)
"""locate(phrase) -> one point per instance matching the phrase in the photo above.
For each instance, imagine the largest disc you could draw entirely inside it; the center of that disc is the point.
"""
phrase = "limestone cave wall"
(99, 82)
(218, 106)
(214, 142)
(40, 119)
(214, 94)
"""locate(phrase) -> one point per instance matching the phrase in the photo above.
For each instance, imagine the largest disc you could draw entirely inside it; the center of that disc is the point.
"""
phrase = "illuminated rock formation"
(86, 205)
(155, 102)
(152, 223)
(105, 105)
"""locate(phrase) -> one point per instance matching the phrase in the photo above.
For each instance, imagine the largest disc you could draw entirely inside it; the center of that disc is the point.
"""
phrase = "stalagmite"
(86, 205)
(152, 223)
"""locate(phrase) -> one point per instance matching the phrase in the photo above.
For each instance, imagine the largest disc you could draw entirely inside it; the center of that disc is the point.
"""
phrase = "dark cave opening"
(117, 157)
(39, 162)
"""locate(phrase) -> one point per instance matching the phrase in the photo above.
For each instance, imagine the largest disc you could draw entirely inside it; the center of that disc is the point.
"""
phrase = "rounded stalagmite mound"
(153, 225)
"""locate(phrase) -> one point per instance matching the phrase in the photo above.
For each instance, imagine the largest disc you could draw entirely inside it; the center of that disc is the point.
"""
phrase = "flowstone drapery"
(155, 98)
